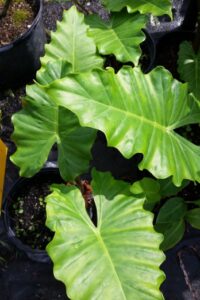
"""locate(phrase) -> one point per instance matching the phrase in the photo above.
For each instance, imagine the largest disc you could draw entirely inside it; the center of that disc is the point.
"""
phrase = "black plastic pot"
(184, 18)
(19, 185)
(20, 59)
(148, 53)
(182, 267)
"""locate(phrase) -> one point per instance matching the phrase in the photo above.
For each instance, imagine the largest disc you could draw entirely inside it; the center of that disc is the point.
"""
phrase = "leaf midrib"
(166, 129)
(107, 254)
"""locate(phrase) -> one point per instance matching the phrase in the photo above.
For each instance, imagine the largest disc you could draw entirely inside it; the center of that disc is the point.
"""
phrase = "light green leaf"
(155, 7)
(54, 70)
(138, 114)
(150, 188)
(118, 259)
(71, 43)
(121, 35)
(189, 67)
(193, 217)
(170, 222)
(39, 125)
(35, 134)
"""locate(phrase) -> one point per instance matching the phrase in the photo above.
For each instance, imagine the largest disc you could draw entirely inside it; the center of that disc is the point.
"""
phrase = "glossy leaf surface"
(41, 124)
(189, 67)
(118, 259)
(138, 114)
(38, 128)
(121, 35)
(170, 222)
(154, 7)
(71, 43)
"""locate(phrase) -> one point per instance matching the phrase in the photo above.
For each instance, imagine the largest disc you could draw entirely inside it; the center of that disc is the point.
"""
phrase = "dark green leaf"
(151, 190)
(189, 67)
(168, 189)
(193, 217)
(170, 222)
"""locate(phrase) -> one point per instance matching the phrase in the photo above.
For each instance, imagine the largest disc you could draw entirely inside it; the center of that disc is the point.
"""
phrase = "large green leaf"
(121, 35)
(138, 114)
(71, 43)
(189, 67)
(170, 222)
(118, 259)
(39, 125)
(155, 7)
(36, 131)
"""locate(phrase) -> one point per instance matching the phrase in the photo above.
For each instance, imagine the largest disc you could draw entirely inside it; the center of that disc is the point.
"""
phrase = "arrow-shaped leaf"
(118, 259)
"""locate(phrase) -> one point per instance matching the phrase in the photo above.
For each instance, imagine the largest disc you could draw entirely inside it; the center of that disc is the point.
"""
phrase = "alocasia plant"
(73, 97)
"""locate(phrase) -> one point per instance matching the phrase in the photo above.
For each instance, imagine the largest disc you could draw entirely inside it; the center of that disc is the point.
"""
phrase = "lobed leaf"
(38, 128)
(118, 259)
(154, 7)
(121, 35)
(41, 124)
(138, 114)
(71, 43)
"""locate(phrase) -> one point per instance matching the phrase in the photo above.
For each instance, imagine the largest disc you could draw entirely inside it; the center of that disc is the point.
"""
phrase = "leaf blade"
(154, 7)
(121, 35)
(151, 104)
(113, 279)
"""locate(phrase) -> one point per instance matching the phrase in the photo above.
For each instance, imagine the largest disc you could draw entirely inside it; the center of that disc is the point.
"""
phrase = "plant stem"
(3, 12)
(80, 5)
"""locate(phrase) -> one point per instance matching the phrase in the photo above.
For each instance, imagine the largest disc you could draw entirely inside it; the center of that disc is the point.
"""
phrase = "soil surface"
(18, 19)
(28, 214)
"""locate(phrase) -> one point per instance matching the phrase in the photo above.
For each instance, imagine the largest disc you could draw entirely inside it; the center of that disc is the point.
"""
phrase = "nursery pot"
(19, 60)
(184, 18)
(45, 175)
(181, 268)
(149, 53)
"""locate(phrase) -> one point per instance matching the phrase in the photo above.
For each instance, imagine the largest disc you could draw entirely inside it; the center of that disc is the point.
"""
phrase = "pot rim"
(34, 254)
(27, 32)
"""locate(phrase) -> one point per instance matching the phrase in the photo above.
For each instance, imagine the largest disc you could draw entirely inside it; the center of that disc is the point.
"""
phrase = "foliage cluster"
(73, 97)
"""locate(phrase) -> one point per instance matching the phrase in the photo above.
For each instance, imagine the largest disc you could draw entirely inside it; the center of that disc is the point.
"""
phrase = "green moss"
(19, 16)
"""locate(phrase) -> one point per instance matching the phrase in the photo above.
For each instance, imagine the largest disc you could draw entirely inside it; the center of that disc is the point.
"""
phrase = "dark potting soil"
(18, 19)
(28, 214)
